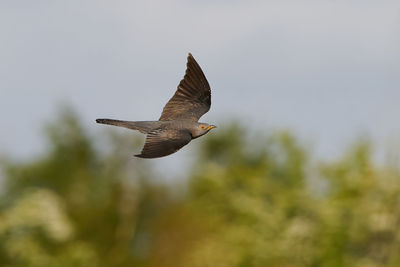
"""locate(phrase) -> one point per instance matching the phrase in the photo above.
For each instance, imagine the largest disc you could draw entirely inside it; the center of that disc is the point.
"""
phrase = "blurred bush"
(249, 202)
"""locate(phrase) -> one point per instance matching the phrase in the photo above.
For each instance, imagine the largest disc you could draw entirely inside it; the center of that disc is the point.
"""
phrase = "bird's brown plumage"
(178, 123)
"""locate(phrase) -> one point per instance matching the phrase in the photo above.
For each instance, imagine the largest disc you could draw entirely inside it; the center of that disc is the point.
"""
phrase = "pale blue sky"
(329, 70)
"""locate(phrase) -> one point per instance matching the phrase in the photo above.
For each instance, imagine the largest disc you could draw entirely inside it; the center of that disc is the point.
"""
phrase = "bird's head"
(201, 129)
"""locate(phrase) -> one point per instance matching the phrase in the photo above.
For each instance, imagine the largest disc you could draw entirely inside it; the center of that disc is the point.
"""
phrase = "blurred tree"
(75, 206)
(249, 202)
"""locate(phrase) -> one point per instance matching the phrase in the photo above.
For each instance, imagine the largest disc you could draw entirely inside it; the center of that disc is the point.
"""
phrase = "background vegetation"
(246, 202)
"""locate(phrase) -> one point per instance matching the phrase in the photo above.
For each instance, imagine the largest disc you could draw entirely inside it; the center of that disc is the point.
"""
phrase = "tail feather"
(142, 126)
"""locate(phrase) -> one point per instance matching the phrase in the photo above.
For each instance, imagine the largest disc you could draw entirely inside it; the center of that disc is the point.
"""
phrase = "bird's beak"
(211, 127)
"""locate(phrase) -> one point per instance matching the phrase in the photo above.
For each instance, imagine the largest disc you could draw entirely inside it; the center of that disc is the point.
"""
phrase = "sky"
(327, 70)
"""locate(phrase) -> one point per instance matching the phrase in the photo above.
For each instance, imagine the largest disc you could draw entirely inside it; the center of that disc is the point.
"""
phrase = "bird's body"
(178, 123)
(147, 127)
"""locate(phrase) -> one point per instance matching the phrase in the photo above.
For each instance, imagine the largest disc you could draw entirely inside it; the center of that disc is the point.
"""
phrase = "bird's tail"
(142, 126)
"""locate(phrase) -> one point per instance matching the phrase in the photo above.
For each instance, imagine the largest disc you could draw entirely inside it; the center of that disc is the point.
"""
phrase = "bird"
(178, 124)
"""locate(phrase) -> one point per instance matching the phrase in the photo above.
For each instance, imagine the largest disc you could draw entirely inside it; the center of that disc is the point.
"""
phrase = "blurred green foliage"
(249, 201)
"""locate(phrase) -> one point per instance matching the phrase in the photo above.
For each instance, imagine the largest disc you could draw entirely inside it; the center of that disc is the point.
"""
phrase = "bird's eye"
(202, 127)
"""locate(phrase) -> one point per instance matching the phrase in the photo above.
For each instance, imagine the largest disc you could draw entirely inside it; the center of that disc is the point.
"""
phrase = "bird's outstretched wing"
(161, 143)
(193, 97)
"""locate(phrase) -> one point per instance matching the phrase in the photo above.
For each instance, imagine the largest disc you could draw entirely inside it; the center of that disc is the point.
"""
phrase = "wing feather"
(192, 99)
(161, 143)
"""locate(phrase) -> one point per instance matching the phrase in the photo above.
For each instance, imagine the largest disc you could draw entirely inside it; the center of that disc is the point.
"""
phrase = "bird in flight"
(178, 123)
